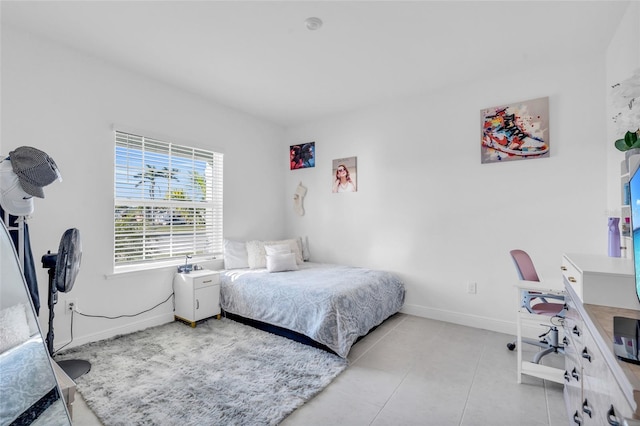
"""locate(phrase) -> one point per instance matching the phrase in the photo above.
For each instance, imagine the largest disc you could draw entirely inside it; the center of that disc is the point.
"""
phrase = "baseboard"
(124, 329)
(476, 321)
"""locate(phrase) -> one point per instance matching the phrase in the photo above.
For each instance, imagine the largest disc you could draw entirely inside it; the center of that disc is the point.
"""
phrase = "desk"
(598, 288)
(601, 280)
(525, 318)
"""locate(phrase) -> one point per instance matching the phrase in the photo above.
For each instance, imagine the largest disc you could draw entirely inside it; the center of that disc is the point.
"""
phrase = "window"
(167, 202)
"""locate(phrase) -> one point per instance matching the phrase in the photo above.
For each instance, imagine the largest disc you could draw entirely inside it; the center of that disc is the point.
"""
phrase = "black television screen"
(634, 204)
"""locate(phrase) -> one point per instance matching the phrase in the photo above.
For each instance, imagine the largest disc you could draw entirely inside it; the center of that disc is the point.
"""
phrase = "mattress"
(27, 382)
(332, 304)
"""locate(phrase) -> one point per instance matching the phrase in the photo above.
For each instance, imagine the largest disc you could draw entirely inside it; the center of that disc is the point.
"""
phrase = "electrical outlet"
(472, 287)
(70, 306)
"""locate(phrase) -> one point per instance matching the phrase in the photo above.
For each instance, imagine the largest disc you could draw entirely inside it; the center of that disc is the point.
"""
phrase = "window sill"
(125, 271)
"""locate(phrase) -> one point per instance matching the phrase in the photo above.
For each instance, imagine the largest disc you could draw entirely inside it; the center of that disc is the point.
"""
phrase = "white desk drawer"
(572, 275)
(601, 280)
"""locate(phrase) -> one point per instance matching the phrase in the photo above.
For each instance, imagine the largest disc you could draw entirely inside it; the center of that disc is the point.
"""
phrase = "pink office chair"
(537, 303)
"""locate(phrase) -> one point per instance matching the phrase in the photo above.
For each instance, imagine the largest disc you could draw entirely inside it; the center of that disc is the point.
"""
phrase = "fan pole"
(53, 299)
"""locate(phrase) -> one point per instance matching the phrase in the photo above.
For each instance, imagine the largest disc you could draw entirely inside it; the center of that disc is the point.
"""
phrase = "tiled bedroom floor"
(416, 371)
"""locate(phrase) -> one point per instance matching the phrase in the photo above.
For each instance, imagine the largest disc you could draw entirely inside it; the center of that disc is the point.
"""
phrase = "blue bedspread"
(25, 377)
(331, 304)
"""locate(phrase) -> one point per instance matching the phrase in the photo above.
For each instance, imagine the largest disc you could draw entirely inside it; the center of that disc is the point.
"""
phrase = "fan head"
(68, 260)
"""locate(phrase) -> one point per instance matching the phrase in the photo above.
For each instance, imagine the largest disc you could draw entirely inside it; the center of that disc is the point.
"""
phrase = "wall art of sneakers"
(515, 132)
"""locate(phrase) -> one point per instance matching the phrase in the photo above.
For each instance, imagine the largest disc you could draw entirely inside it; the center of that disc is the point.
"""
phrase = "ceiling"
(259, 57)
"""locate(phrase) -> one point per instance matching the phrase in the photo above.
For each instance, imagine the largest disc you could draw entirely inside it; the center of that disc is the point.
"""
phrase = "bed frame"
(289, 334)
(279, 331)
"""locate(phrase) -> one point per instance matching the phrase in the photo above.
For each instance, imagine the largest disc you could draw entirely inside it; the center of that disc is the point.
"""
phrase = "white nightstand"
(197, 295)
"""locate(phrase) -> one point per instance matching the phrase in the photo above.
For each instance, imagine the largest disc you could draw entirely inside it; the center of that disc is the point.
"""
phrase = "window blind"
(167, 201)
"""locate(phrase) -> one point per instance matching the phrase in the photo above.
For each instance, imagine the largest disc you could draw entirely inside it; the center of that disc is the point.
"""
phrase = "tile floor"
(416, 371)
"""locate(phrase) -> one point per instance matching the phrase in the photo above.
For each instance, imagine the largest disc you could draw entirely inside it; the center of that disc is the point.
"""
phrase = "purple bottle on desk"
(614, 237)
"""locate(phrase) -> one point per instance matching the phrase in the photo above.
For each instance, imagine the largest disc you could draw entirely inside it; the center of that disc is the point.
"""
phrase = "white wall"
(64, 103)
(427, 209)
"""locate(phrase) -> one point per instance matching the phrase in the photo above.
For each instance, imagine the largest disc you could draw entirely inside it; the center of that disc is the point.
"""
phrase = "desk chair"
(537, 303)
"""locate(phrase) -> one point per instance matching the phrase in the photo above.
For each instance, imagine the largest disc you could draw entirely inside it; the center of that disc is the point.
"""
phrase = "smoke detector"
(313, 23)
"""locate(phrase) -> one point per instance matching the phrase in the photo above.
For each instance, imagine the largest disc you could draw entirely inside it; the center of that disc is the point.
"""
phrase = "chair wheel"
(511, 346)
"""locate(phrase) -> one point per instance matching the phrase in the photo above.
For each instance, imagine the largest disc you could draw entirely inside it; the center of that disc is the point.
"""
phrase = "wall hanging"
(298, 198)
(345, 173)
(625, 103)
(515, 131)
(302, 156)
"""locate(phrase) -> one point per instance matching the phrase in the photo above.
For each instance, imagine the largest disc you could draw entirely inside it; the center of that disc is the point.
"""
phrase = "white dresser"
(599, 389)
(197, 295)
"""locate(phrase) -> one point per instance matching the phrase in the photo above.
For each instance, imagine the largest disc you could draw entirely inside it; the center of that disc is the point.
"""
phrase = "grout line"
(379, 340)
(390, 396)
(473, 380)
(546, 402)
(546, 385)
(401, 381)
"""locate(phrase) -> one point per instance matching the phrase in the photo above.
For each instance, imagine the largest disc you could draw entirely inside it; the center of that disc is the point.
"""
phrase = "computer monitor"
(634, 204)
(626, 331)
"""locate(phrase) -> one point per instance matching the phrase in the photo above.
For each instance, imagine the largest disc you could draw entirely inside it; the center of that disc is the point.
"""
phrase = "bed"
(333, 305)
(27, 385)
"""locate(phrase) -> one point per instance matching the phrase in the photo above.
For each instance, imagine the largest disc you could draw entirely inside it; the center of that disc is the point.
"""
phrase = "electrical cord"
(108, 317)
(66, 344)
(127, 315)
(560, 320)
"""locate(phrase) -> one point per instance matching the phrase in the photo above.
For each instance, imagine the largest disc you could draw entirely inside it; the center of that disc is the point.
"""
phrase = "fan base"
(75, 367)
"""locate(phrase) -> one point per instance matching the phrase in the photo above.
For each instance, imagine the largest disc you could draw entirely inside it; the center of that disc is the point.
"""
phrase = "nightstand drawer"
(206, 281)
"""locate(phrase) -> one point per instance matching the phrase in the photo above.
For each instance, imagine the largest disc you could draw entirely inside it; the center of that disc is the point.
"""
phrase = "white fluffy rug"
(219, 373)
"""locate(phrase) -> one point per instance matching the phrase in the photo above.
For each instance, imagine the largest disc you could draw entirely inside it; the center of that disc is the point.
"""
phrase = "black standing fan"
(63, 269)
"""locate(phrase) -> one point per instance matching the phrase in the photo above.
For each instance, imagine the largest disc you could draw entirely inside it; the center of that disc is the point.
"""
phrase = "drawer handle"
(197, 304)
(612, 419)
(565, 341)
(575, 330)
(586, 355)
(575, 374)
(576, 418)
(572, 280)
(208, 281)
(566, 376)
(563, 268)
(586, 409)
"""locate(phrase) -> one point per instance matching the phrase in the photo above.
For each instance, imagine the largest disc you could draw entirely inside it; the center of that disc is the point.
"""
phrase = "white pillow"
(296, 248)
(257, 253)
(281, 262)
(14, 326)
(271, 249)
(235, 254)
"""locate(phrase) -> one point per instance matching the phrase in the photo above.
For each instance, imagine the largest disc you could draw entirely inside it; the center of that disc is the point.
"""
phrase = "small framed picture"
(345, 173)
(302, 156)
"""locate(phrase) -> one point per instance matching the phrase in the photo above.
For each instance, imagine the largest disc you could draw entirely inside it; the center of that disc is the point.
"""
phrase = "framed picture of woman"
(345, 173)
